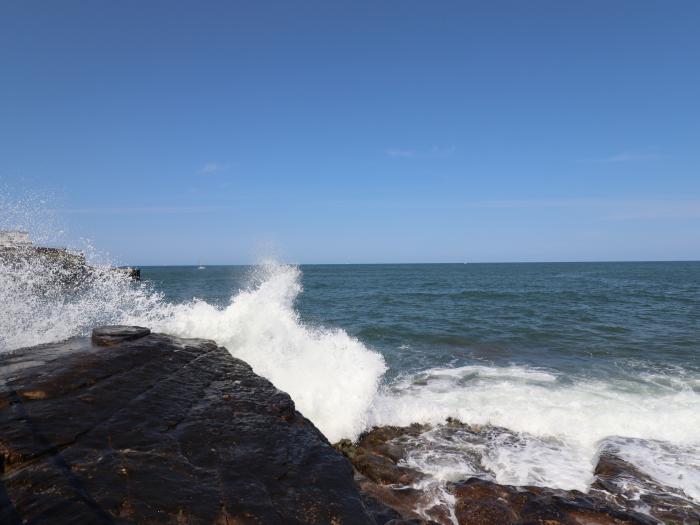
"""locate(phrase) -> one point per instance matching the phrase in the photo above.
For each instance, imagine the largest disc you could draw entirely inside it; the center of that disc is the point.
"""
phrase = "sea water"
(558, 360)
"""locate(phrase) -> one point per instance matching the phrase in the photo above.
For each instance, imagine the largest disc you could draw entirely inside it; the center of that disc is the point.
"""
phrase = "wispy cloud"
(598, 208)
(400, 152)
(434, 152)
(537, 203)
(210, 168)
(611, 209)
(656, 209)
(143, 209)
(623, 157)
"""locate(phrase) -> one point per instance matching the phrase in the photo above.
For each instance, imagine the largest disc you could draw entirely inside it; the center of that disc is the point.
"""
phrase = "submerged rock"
(145, 428)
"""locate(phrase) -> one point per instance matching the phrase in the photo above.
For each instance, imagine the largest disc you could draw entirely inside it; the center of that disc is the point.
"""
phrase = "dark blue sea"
(575, 318)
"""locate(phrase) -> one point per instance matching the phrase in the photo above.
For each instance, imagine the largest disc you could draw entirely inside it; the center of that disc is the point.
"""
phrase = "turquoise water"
(577, 318)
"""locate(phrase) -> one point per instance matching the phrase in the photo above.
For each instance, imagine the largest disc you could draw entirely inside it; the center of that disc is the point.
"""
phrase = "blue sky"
(402, 131)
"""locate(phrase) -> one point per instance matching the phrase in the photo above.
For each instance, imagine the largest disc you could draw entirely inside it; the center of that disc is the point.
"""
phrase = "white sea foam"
(551, 430)
(676, 466)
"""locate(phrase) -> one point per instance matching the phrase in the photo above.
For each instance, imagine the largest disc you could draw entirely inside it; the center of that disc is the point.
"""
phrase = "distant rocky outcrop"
(58, 266)
(136, 427)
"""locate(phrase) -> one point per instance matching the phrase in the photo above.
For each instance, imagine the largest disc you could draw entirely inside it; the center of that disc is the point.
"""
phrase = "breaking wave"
(332, 377)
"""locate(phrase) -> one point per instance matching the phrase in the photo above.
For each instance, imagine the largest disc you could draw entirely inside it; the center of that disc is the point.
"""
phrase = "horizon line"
(628, 261)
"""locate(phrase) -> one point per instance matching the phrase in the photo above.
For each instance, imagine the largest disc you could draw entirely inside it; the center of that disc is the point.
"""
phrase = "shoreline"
(66, 390)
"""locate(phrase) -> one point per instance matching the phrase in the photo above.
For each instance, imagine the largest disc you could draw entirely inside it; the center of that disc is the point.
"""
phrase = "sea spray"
(42, 301)
(45, 297)
(332, 377)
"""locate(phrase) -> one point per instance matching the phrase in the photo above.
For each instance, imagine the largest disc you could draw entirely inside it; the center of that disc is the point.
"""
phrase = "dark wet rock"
(346, 447)
(375, 457)
(480, 502)
(157, 429)
(384, 470)
(377, 453)
(409, 522)
(379, 512)
(627, 486)
(404, 500)
(382, 475)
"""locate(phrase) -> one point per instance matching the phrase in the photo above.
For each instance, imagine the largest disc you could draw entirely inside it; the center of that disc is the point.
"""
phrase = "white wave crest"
(332, 377)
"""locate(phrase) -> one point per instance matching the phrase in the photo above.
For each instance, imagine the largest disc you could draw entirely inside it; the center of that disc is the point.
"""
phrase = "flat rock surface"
(156, 429)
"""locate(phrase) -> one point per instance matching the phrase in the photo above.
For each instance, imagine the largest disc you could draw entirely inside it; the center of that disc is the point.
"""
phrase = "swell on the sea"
(554, 426)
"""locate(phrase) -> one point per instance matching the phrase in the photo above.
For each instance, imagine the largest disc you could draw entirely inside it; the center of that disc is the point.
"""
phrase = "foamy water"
(544, 430)
(555, 424)
(565, 420)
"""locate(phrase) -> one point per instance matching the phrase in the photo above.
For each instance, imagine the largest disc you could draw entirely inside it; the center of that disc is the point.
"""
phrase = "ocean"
(558, 360)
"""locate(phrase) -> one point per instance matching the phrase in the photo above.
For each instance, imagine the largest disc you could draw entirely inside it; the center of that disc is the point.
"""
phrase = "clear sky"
(322, 131)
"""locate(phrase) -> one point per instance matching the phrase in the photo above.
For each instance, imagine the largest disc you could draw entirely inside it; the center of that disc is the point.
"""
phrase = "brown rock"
(376, 455)
(377, 459)
(480, 502)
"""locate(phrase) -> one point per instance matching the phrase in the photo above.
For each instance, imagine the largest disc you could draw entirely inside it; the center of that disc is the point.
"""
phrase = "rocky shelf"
(136, 427)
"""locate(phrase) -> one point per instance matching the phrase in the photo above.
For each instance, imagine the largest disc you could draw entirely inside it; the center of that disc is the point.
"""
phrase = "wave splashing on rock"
(332, 377)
